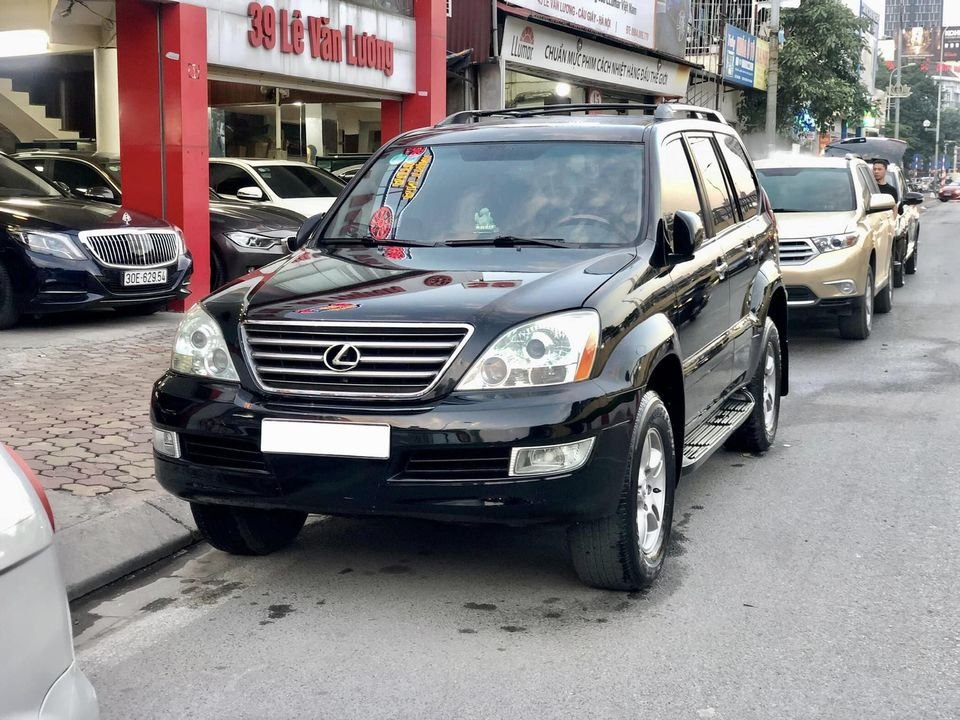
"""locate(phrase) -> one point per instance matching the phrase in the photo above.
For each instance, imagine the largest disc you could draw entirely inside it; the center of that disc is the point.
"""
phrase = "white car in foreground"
(39, 677)
(296, 186)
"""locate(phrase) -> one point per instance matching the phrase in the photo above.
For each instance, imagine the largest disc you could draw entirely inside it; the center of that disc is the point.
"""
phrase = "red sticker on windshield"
(381, 224)
(414, 150)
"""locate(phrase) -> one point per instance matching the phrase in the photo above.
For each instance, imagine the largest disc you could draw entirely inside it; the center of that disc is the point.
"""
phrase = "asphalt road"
(819, 581)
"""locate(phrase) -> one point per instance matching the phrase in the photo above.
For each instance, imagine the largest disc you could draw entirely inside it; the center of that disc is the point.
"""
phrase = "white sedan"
(39, 677)
(295, 186)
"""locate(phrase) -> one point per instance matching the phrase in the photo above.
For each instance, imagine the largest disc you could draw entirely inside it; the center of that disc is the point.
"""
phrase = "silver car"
(39, 677)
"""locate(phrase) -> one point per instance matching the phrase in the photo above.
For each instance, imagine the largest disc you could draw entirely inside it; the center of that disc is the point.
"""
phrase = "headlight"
(829, 243)
(200, 348)
(250, 240)
(181, 240)
(49, 243)
(552, 350)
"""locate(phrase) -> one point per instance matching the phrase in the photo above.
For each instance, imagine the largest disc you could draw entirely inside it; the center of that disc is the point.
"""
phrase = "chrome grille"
(391, 359)
(132, 248)
(796, 252)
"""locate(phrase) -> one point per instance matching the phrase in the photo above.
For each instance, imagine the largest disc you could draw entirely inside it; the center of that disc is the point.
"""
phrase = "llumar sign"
(292, 33)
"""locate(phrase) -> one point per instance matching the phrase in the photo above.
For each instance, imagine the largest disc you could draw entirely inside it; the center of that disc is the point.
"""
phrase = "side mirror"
(99, 193)
(250, 193)
(913, 198)
(688, 234)
(63, 187)
(304, 233)
(881, 202)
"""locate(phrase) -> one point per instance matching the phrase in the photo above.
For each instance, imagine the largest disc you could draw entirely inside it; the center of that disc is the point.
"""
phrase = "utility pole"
(899, 53)
(772, 76)
(936, 147)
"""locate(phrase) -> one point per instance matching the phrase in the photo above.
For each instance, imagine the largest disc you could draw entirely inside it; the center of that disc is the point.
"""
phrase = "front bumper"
(75, 284)
(817, 285)
(219, 430)
(239, 261)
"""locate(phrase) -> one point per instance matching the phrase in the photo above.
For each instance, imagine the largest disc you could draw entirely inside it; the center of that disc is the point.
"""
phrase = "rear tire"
(9, 304)
(757, 434)
(247, 531)
(858, 325)
(625, 551)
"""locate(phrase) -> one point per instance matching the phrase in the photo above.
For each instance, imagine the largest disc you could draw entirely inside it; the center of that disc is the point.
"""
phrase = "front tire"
(757, 434)
(859, 325)
(884, 302)
(625, 551)
(911, 266)
(247, 531)
(9, 304)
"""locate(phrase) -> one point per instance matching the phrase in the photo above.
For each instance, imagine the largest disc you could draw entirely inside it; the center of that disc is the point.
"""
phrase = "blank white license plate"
(323, 438)
(145, 277)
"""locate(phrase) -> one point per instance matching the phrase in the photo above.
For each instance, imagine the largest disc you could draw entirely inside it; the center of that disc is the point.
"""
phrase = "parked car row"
(137, 264)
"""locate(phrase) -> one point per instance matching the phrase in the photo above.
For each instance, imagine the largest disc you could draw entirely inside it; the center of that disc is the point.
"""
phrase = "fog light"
(166, 442)
(550, 459)
(845, 287)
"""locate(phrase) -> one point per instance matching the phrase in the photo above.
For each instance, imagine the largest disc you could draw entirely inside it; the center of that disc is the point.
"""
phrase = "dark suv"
(514, 317)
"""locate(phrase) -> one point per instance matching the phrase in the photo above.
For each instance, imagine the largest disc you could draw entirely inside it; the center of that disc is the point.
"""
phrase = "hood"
(423, 284)
(793, 226)
(65, 214)
(306, 207)
(231, 216)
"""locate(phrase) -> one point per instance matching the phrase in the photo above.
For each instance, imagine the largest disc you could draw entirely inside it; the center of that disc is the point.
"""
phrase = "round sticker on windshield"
(381, 224)
(396, 159)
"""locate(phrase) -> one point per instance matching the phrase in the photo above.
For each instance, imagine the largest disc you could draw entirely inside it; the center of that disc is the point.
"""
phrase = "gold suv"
(836, 237)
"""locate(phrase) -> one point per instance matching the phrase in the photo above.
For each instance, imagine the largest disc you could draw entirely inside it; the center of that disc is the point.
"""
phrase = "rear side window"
(77, 175)
(714, 183)
(678, 188)
(228, 179)
(744, 183)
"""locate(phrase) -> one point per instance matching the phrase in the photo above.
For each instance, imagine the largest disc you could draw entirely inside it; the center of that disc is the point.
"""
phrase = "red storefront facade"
(165, 59)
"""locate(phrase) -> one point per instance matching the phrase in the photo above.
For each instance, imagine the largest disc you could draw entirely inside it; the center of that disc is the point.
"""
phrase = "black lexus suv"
(516, 317)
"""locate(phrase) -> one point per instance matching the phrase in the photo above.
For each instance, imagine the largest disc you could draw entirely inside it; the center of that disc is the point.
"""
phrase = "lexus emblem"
(126, 218)
(341, 358)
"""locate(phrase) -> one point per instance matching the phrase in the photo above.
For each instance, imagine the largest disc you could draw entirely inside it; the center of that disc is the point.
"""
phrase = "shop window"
(714, 183)
(228, 179)
(744, 183)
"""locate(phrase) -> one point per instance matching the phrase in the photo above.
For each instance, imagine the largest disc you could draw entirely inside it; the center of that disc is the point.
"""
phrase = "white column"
(107, 100)
(314, 126)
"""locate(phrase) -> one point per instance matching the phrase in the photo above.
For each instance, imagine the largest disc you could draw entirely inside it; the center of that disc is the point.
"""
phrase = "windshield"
(18, 181)
(573, 192)
(809, 189)
(299, 181)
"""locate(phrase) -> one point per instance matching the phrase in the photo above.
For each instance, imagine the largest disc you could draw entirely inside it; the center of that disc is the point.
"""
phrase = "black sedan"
(243, 237)
(60, 253)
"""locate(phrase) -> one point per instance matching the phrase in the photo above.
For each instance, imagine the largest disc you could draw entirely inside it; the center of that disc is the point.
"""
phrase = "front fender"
(639, 352)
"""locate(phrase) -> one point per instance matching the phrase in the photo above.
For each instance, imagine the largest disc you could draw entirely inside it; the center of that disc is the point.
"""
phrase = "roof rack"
(661, 112)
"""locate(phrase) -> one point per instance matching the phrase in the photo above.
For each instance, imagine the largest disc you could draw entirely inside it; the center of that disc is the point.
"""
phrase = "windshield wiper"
(370, 241)
(787, 210)
(508, 241)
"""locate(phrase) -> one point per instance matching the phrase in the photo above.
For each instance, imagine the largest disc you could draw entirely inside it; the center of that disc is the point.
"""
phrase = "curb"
(100, 551)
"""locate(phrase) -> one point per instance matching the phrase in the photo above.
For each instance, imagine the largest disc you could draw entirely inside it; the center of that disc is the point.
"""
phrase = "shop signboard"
(745, 58)
(535, 46)
(951, 44)
(630, 21)
(324, 41)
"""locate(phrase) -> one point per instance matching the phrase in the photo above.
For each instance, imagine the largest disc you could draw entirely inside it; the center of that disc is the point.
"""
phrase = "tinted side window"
(227, 179)
(678, 188)
(714, 183)
(744, 183)
(76, 175)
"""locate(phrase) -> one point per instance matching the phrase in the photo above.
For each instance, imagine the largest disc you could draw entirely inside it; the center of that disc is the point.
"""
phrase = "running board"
(713, 433)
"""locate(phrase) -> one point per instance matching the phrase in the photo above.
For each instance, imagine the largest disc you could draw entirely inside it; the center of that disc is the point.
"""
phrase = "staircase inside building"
(29, 121)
